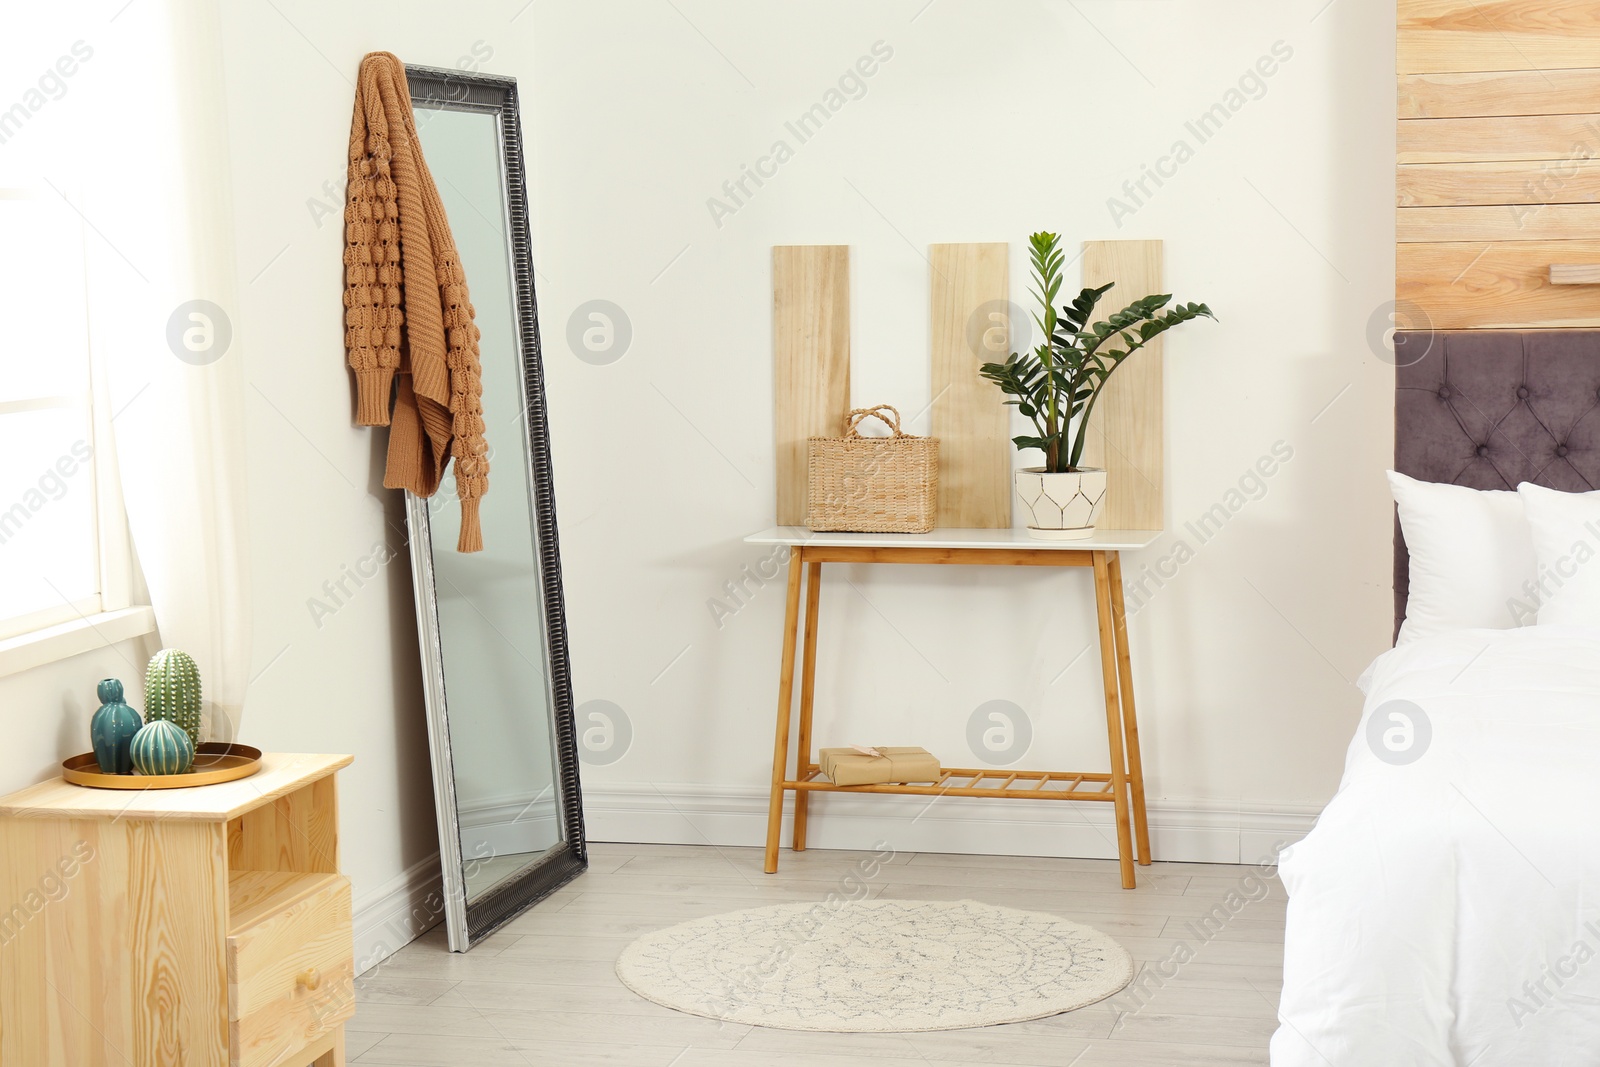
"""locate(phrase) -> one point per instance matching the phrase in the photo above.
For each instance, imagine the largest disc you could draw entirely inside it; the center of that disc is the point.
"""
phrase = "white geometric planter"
(1062, 506)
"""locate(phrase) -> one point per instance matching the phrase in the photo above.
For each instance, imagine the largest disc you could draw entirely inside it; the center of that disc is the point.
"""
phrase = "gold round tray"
(214, 762)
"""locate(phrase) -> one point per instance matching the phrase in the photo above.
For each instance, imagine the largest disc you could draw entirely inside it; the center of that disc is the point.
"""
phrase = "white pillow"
(1566, 543)
(1471, 558)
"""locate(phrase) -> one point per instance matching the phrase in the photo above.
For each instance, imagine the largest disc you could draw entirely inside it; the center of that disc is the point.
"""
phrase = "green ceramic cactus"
(112, 729)
(161, 747)
(172, 691)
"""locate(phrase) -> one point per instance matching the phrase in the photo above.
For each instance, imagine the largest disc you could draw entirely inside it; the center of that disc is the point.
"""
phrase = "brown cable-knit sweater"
(406, 304)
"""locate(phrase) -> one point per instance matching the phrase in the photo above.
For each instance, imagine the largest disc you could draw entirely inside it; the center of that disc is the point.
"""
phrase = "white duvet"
(1446, 911)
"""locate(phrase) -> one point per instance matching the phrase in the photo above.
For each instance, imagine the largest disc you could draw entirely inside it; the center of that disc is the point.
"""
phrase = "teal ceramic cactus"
(112, 729)
(161, 747)
(172, 691)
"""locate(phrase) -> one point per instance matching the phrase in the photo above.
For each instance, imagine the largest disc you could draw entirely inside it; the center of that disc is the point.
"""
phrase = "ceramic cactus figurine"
(161, 747)
(172, 691)
(112, 729)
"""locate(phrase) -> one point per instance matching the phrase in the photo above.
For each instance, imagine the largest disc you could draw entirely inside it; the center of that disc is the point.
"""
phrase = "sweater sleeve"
(468, 445)
(372, 293)
(373, 388)
(471, 539)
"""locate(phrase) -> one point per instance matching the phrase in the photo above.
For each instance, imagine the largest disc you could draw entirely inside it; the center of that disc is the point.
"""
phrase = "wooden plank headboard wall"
(1499, 161)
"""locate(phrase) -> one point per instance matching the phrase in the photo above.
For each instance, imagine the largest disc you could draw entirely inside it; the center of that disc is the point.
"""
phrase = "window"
(64, 552)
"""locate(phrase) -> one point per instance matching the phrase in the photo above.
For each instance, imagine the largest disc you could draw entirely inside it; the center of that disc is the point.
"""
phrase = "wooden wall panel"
(1483, 35)
(811, 360)
(1498, 92)
(1498, 149)
(1563, 181)
(1506, 285)
(1480, 140)
(1502, 222)
(970, 418)
(1126, 434)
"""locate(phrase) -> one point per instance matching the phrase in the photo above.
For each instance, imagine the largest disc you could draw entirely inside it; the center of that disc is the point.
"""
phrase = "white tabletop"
(1101, 541)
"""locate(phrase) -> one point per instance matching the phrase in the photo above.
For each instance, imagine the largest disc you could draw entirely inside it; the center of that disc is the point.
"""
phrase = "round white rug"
(872, 966)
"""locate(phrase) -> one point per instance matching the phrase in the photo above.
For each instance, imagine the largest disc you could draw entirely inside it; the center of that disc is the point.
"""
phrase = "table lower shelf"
(969, 782)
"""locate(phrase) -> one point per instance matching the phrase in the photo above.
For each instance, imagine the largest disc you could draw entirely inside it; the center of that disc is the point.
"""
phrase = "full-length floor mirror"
(492, 623)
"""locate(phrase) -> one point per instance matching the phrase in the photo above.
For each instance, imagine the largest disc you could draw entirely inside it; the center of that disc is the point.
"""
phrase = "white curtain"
(157, 202)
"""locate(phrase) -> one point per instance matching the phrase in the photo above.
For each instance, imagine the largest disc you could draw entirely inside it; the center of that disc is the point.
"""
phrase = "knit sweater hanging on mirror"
(407, 312)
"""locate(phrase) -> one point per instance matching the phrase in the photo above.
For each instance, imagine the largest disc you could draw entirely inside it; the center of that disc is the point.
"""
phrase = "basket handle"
(852, 421)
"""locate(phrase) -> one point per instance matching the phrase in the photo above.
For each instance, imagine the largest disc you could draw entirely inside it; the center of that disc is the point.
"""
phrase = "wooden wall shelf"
(1575, 274)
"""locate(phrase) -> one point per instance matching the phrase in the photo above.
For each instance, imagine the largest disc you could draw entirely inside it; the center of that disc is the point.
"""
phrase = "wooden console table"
(202, 927)
(1122, 787)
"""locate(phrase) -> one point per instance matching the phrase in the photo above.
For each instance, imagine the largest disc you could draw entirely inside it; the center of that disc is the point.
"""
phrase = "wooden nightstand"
(202, 927)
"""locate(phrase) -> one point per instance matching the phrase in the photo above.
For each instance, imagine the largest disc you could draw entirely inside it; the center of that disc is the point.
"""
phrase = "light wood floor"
(542, 993)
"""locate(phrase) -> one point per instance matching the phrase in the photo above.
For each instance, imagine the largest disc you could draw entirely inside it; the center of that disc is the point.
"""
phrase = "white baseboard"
(411, 903)
(1191, 831)
(398, 912)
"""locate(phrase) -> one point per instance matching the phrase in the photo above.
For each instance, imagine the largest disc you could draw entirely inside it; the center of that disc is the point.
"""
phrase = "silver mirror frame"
(468, 922)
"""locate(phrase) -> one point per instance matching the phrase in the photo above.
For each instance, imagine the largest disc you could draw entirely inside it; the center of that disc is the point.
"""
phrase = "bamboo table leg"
(808, 679)
(780, 746)
(1130, 719)
(1108, 673)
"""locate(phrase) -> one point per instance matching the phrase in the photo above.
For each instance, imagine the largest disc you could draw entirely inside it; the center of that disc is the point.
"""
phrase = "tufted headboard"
(1490, 409)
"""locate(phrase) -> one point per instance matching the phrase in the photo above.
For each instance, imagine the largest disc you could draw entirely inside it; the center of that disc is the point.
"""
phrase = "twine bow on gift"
(870, 765)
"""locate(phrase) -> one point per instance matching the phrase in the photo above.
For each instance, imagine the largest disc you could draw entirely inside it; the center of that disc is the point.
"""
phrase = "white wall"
(989, 121)
(50, 708)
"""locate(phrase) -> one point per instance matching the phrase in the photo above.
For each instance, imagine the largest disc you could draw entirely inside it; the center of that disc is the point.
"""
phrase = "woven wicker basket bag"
(872, 484)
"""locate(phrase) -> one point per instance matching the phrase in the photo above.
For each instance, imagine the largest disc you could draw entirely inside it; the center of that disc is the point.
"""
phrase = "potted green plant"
(1056, 386)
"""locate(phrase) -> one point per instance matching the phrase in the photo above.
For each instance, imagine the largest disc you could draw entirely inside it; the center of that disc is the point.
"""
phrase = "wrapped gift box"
(874, 766)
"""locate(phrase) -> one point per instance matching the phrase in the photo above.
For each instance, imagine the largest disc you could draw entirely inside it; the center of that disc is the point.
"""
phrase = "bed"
(1446, 910)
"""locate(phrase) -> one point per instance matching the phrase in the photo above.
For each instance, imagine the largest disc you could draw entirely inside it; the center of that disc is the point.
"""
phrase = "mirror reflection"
(489, 604)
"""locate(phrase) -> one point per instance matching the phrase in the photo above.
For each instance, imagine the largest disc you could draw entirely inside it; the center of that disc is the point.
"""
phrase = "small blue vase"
(112, 728)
